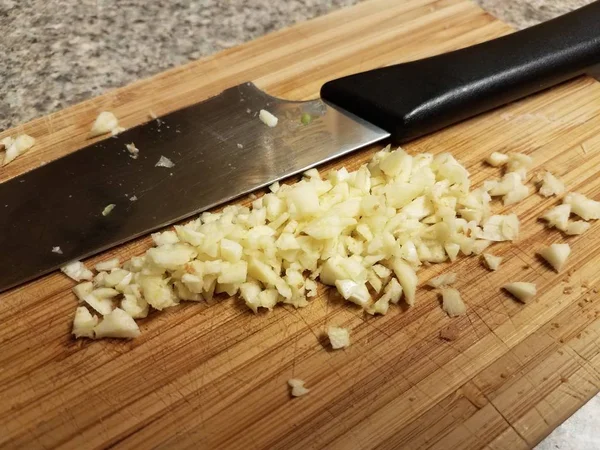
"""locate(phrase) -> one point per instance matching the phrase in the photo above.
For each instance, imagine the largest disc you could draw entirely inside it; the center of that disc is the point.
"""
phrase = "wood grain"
(214, 376)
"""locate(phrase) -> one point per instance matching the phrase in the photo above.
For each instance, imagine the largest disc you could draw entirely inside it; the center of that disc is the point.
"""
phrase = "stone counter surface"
(56, 53)
(59, 52)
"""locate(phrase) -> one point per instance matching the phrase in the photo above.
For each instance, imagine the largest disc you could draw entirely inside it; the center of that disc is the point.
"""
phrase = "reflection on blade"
(220, 148)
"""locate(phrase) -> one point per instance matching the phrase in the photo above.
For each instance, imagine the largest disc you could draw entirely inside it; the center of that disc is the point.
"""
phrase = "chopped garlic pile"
(11, 148)
(365, 232)
(106, 122)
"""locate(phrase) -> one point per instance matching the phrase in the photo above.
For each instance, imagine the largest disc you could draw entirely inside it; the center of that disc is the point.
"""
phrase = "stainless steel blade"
(220, 148)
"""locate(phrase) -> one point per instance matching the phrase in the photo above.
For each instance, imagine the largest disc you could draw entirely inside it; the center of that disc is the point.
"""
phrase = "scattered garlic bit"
(133, 198)
(16, 147)
(501, 228)
(366, 232)
(164, 162)
(519, 163)
(133, 150)
(106, 122)
(77, 271)
(107, 265)
(577, 227)
(297, 386)
(558, 216)
(117, 130)
(521, 290)
(452, 302)
(556, 255)
(108, 209)
(582, 206)
(338, 337)
(497, 159)
(267, 118)
(510, 187)
(117, 324)
(57, 250)
(445, 279)
(491, 261)
(550, 185)
(84, 323)
(152, 115)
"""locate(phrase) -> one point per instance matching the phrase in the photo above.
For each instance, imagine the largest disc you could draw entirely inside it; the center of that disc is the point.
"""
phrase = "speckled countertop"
(57, 52)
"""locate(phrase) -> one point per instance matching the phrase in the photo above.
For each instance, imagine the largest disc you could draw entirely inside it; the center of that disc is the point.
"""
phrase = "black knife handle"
(416, 98)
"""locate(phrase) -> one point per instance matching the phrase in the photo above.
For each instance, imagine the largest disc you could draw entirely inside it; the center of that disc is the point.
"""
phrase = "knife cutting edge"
(221, 150)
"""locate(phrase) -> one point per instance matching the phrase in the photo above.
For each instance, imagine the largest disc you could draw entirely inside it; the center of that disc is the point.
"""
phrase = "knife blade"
(221, 150)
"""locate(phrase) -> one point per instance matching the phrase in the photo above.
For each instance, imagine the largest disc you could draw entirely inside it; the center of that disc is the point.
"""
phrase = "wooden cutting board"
(215, 376)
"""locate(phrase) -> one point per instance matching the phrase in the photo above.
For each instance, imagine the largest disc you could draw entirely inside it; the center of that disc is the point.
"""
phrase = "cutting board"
(214, 376)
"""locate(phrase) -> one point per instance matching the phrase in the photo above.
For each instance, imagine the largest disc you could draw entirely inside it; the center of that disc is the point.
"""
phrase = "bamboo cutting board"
(215, 376)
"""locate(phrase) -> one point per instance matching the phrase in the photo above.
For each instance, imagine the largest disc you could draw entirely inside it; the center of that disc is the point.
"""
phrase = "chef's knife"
(221, 150)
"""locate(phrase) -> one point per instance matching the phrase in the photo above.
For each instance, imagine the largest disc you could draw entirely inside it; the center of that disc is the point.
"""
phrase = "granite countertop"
(55, 53)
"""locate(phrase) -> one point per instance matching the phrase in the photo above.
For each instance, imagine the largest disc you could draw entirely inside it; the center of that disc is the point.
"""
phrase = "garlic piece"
(298, 388)
(445, 279)
(497, 159)
(501, 228)
(267, 118)
(551, 185)
(452, 302)
(164, 162)
(104, 123)
(558, 216)
(108, 209)
(556, 255)
(577, 227)
(135, 306)
(16, 147)
(133, 150)
(338, 337)
(83, 289)
(491, 261)
(521, 290)
(353, 292)
(107, 265)
(408, 280)
(519, 163)
(77, 271)
(582, 206)
(84, 323)
(117, 324)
